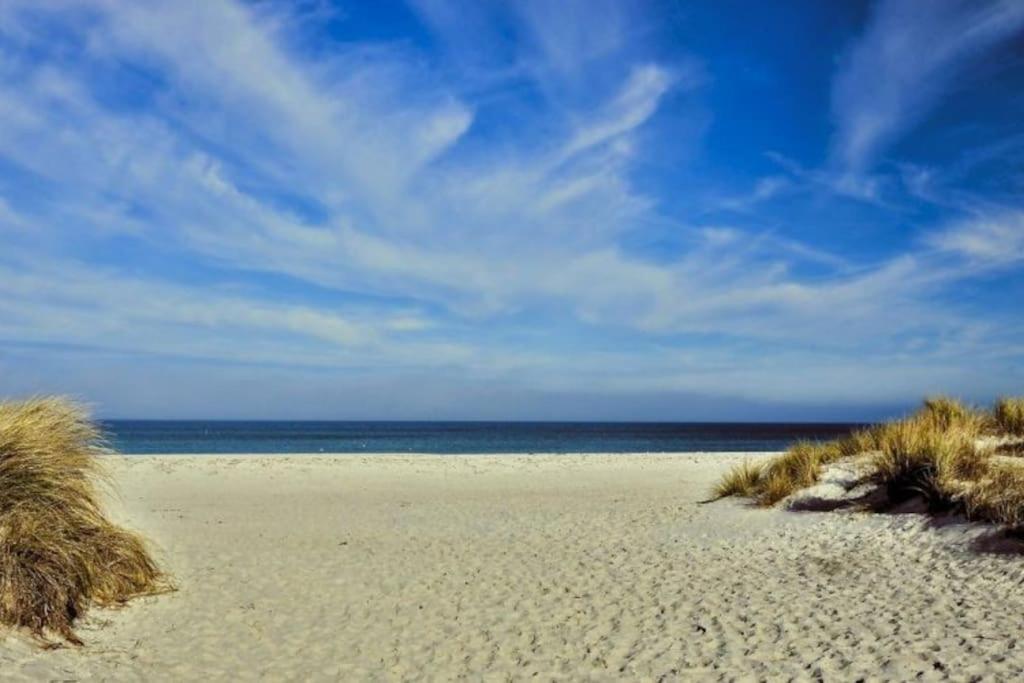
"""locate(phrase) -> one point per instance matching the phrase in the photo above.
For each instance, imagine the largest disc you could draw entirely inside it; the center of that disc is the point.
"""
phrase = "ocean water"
(142, 437)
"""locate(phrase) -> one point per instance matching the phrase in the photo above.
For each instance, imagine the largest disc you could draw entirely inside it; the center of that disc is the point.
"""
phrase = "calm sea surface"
(141, 437)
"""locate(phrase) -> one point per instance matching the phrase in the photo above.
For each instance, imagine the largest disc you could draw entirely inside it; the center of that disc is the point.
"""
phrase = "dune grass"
(798, 468)
(998, 497)
(769, 483)
(942, 413)
(919, 457)
(742, 480)
(59, 554)
(1009, 415)
(934, 454)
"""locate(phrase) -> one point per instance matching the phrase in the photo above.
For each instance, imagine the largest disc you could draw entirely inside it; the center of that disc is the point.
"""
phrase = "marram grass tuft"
(944, 413)
(741, 480)
(938, 454)
(59, 554)
(1009, 415)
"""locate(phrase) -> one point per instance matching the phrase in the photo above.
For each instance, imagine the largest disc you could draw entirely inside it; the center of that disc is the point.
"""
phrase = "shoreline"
(424, 454)
(598, 566)
(427, 454)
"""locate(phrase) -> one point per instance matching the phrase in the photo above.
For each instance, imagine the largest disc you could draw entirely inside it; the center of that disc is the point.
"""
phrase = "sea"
(141, 437)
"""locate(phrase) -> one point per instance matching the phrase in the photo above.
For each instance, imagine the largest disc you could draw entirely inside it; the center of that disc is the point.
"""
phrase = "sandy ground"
(515, 567)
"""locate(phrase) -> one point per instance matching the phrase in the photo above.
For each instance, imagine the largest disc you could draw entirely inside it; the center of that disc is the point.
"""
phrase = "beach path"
(565, 567)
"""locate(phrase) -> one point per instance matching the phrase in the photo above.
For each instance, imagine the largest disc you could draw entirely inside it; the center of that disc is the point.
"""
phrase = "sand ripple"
(565, 568)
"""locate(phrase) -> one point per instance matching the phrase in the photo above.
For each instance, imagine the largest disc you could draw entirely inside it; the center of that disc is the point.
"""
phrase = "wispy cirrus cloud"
(992, 240)
(198, 182)
(910, 56)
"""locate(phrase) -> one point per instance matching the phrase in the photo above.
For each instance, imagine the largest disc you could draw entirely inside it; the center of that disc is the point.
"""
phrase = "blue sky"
(511, 210)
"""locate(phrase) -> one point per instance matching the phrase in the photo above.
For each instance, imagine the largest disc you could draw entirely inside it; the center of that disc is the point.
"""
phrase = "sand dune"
(559, 567)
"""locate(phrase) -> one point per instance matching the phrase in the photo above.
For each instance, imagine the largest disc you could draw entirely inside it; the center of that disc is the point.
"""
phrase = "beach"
(565, 567)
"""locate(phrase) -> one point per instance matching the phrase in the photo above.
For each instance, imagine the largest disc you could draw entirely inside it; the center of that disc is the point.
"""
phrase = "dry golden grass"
(917, 457)
(58, 553)
(943, 413)
(860, 441)
(797, 468)
(741, 480)
(933, 454)
(1009, 415)
(998, 497)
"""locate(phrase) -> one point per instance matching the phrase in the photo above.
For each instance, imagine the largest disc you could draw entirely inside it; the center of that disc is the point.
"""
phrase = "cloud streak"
(195, 182)
(910, 57)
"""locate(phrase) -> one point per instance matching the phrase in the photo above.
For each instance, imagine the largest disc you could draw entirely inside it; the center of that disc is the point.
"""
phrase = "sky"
(471, 209)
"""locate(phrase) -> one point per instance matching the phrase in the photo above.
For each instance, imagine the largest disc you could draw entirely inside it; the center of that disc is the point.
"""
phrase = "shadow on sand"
(984, 538)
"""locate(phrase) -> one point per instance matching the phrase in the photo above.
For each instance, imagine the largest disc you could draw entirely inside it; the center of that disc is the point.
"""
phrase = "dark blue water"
(140, 437)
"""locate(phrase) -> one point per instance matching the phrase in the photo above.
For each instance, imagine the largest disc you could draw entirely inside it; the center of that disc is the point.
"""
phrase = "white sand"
(564, 567)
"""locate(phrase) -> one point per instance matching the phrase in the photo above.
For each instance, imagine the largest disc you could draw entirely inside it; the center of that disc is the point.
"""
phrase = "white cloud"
(634, 104)
(404, 241)
(764, 189)
(995, 239)
(909, 57)
(568, 34)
